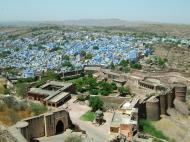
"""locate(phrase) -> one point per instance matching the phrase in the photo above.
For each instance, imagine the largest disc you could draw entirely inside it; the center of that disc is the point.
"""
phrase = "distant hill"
(97, 22)
(82, 22)
(112, 24)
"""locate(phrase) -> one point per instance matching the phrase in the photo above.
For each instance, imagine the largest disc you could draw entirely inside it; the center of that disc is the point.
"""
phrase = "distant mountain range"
(98, 22)
(81, 22)
(121, 25)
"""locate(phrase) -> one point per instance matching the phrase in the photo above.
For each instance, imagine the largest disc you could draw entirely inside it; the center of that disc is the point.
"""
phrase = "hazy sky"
(167, 11)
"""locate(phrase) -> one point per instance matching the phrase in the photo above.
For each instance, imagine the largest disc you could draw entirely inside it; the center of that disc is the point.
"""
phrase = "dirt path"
(94, 133)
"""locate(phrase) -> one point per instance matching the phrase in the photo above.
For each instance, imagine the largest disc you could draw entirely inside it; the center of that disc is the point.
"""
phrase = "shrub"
(126, 69)
(66, 57)
(67, 64)
(94, 91)
(38, 108)
(55, 49)
(112, 66)
(21, 89)
(136, 66)
(82, 97)
(88, 56)
(105, 88)
(95, 47)
(96, 103)
(23, 105)
(114, 86)
(82, 53)
(2, 106)
(124, 63)
(7, 91)
(188, 92)
(25, 80)
(104, 92)
(14, 117)
(9, 101)
(147, 127)
(123, 91)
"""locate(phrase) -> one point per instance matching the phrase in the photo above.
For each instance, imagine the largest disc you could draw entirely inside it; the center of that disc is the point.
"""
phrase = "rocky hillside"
(5, 136)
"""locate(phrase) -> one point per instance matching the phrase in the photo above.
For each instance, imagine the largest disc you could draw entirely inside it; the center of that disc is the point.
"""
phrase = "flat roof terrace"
(41, 91)
(119, 118)
(58, 97)
(52, 91)
(54, 83)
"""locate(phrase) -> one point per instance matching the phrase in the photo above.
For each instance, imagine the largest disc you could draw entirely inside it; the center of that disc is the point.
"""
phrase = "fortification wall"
(51, 122)
(36, 126)
(153, 110)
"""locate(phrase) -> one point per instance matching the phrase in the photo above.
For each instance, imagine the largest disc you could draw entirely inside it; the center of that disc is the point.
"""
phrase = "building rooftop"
(50, 89)
(58, 97)
(119, 118)
(152, 99)
(41, 91)
(55, 83)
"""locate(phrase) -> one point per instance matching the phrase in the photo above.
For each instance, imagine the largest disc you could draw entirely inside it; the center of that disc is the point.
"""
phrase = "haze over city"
(162, 11)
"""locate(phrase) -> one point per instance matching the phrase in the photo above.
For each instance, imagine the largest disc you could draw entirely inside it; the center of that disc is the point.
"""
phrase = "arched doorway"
(59, 127)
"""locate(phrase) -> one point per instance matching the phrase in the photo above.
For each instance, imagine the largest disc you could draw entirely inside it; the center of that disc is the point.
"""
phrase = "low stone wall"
(112, 103)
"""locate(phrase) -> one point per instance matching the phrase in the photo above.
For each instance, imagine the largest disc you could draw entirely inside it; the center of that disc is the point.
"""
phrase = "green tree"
(105, 88)
(25, 80)
(67, 64)
(95, 103)
(83, 53)
(126, 69)
(94, 91)
(123, 91)
(7, 91)
(136, 66)
(22, 89)
(124, 63)
(55, 49)
(82, 97)
(161, 62)
(90, 82)
(66, 57)
(38, 108)
(114, 86)
(112, 66)
(95, 47)
(88, 56)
